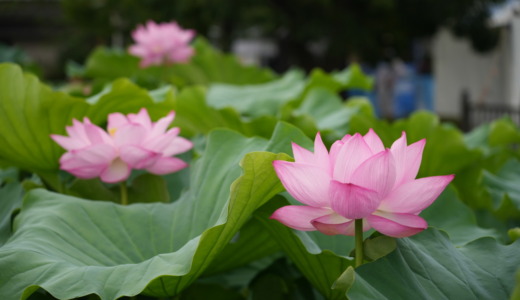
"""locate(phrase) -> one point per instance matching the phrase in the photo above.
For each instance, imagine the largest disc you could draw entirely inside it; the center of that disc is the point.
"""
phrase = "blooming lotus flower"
(146, 145)
(133, 142)
(358, 179)
(162, 43)
(91, 153)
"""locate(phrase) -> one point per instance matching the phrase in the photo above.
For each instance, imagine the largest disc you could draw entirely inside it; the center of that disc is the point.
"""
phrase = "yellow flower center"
(112, 131)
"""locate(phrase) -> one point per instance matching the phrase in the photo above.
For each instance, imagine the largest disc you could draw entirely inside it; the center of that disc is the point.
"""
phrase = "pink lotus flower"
(91, 153)
(146, 145)
(162, 43)
(358, 179)
(134, 142)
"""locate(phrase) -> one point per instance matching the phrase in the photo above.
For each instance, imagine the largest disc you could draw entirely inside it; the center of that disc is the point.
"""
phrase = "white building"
(492, 78)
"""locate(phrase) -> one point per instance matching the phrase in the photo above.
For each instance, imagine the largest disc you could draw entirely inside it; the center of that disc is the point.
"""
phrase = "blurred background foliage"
(354, 29)
(308, 33)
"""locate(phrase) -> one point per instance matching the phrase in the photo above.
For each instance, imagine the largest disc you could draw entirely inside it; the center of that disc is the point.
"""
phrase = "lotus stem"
(124, 193)
(358, 223)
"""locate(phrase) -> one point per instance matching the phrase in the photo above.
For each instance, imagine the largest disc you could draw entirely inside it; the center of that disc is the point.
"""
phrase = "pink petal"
(373, 141)
(96, 154)
(397, 225)
(67, 142)
(352, 154)
(166, 165)
(346, 228)
(416, 195)
(346, 138)
(302, 155)
(137, 157)
(181, 54)
(116, 120)
(147, 62)
(299, 217)
(176, 146)
(352, 201)
(376, 173)
(141, 118)
(80, 168)
(306, 183)
(130, 134)
(319, 158)
(88, 162)
(334, 150)
(95, 134)
(140, 33)
(320, 153)
(87, 172)
(137, 50)
(160, 126)
(117, 171)
(77, 131)
(407, 158)
(333, 224)
(184, 36)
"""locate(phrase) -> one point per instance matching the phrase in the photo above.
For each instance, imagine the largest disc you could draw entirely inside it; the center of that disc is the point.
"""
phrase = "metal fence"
(476, 114)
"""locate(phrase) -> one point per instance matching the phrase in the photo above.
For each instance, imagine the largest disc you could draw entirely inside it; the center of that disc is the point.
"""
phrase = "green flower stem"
(359, 242)
(124, 193)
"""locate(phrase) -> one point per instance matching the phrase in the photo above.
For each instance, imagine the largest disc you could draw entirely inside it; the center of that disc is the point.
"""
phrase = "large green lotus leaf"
(497, 141)
(321, 259)
(72, 247)
(251, 243)
(330, 113)
(478, 137)
(125, 97)
(107, 64)
(353, 77)
(481, 186)
(10, 200)
(321, 79)
(504, 189)
(206, 66)
(258, 99)
(516, 291)
(503, 132)
(488, 196)
(429, 266)
(31, 111)
(450, 214)
(209, 65)
(194, 116)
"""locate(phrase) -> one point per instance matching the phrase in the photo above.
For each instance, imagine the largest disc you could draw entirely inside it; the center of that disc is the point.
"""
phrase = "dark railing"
(475, 114)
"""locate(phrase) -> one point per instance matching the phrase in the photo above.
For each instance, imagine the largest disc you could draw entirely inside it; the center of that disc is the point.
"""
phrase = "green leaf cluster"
(205, 231)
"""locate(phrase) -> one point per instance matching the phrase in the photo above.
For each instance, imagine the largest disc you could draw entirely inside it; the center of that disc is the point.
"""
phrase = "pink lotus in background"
(163, 43)
(358, 179)
(133, 142)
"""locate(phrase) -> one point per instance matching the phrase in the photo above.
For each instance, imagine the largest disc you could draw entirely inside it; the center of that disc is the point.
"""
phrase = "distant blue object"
(357, 93)
(404, 96)
(424, 91)
(372, 96)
